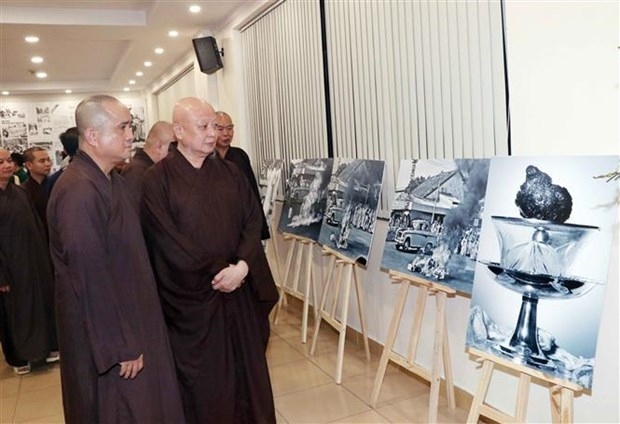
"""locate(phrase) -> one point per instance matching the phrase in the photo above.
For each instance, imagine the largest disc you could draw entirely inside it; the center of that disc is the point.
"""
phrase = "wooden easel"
(300, 246)
(561, 392)
(330, 316)
(273, 257)
(441, 349)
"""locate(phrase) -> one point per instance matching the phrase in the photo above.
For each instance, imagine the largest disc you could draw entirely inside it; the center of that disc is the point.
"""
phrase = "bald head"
(226, 132)
(158, 140)
(194, 128)
(104, 128)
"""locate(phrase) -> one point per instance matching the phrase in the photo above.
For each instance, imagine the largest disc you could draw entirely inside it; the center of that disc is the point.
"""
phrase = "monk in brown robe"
(226, 133)
(27, 326)
(155, 149)
(116, 360)
(202, 223)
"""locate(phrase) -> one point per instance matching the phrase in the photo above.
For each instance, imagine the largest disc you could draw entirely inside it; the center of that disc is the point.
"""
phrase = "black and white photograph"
(137, 125)
(305, 197)
(353, 195)
(269, 180)
(435, 221)
(543, 262)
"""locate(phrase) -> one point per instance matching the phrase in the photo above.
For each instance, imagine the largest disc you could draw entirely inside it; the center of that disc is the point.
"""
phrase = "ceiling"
(98, 46)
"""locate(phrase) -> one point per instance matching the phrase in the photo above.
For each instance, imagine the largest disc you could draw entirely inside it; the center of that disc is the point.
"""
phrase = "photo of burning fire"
(435, 221)
(305, 197)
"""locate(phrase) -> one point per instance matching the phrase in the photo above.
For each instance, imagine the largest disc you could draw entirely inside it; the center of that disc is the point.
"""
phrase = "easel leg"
(343, 327)
(389, 342)
(416, 327)
(447, 368)
(289, 260)
(360, 306)
(481, 392)
(326, 286)
(522, 397)
(440, 319)
(561, 404)
(304, 319)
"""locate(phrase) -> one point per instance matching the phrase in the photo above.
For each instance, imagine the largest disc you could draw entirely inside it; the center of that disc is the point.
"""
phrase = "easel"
(561, 392)
(350, 274)
(299, 245)
(441, 350)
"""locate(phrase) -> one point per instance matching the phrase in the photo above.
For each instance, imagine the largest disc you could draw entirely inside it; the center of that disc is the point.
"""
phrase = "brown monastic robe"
(197, 222)
(26, 311)
(107, 305)
(240, 158)
(134, 172)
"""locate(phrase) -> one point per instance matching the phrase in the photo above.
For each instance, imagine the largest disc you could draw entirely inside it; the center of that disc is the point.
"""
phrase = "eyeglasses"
(227, 128)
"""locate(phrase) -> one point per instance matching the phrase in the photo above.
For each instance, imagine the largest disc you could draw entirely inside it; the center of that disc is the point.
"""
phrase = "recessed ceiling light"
(139, 73)
(36, 59)
(41, 74)
(194, 8)
(173, 33)
(32, 39)
(68, 91)
(126, 89)
(132, 82)
(159, 50)
(5, 93)
(148, 64)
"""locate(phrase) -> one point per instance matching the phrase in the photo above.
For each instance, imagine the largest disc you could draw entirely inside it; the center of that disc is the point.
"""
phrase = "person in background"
(155, 149)
(39, 165)
(69, 140)
(20, 171)
(238, 156)
(117, 365)
(202, 223)
(27, 326)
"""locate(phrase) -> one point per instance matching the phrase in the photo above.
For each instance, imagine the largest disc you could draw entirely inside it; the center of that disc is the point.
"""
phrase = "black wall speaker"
(209, 57)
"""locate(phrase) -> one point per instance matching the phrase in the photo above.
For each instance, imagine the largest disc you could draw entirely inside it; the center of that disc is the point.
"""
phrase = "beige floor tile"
(288, 331)
(280, 419)
(41, 379)
(279, 352)
(354, 362)
(371, 417)
(9, 385)
(296, 376)
(415, 410)
(54, 419)
(37, 404)
(321, 404)
(7, 408)
(327, 341)
(397, 385)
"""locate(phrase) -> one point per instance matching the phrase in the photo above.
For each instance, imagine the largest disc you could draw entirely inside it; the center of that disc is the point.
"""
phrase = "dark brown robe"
(197, 222)
(28, 330)
(134, 172)
(107, 305)
(240, 158)
(39, 194)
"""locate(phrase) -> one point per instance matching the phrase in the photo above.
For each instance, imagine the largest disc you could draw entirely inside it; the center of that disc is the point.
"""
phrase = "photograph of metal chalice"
(533, 256)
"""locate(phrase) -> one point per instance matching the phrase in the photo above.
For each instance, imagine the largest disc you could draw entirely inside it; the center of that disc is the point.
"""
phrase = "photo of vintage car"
(415, 240)
(334, 215)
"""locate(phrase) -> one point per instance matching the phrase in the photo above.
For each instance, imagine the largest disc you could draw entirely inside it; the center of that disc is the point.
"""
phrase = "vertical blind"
(283, 71)
(407, 79)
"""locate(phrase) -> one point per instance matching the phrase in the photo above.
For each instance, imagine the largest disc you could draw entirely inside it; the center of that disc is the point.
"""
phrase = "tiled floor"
(303, 385)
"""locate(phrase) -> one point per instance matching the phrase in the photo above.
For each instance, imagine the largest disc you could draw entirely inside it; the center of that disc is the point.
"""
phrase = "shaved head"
(158, 140)
(104, 128)
(194, 128)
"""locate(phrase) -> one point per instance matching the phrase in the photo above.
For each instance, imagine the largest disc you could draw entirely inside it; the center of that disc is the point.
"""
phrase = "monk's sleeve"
(250, 247)
(166, 243)
(81, 221)
(4, 270)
